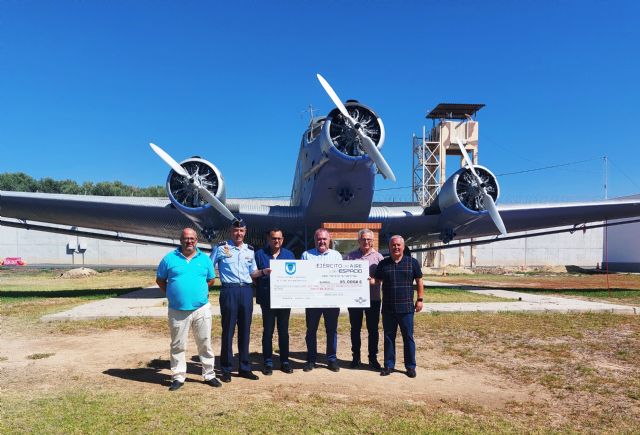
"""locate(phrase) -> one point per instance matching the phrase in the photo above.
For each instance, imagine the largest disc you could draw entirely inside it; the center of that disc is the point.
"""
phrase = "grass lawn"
(619, 288)
(554, 373)
(583, 368)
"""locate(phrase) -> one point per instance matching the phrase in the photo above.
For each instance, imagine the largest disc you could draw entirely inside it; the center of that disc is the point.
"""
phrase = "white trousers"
(200, 322)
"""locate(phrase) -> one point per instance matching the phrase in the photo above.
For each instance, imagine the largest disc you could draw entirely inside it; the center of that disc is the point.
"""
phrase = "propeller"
(369, 146)
(489, 203)
(204, 193)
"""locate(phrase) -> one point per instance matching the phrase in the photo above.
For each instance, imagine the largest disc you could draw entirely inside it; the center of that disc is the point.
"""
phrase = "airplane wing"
(156, 221)
(132, 219)
(540, 216)
(430, 226)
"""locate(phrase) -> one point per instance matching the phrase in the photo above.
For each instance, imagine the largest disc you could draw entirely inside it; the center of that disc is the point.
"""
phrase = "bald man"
(185, 276)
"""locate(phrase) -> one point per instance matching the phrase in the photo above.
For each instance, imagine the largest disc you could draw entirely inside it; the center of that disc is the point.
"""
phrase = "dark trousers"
(236, 308)
(373, 320)
(330, 325)
(271, 316)
(390, 323)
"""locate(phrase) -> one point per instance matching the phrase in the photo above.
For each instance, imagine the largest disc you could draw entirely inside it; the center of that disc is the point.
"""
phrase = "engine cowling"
(184, 195)
(340, 136)
(461, 200)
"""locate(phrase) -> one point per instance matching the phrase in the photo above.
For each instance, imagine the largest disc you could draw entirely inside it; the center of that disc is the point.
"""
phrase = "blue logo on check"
(290, 268)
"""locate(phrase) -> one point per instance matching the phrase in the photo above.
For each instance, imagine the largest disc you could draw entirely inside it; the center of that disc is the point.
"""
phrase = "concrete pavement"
(150, 302)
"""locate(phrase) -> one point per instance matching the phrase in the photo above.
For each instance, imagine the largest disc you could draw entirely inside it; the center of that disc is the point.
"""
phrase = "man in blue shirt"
(273, 251)
(185, 276)
(322, 254)
(237, 266)
(397, 273)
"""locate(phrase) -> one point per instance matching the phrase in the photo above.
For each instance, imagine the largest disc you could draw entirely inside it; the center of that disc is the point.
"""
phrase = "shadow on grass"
(83, 293)
(151, 374)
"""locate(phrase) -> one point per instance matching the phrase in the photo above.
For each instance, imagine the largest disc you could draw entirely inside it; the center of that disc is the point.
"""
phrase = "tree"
(21, 182)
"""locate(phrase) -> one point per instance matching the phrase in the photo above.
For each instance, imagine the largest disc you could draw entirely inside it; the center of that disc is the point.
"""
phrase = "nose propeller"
(369, 146)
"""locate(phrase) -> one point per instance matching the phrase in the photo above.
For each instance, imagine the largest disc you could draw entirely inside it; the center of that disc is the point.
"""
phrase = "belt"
(235, 284)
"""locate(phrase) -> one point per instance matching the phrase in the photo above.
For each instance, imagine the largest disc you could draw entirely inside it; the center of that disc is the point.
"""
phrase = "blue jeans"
(236, 307)
(330, 325)
(269, 318)
(390, 323)
(373, 320)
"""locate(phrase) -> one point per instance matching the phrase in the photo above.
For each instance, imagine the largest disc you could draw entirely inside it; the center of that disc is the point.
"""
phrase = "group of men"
(186, 274)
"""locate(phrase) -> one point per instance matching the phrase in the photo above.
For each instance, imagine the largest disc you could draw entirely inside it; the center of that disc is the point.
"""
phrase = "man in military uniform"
(236, 266)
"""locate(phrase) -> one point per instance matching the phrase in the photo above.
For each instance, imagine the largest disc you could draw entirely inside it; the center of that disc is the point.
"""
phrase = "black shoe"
(333, 366)
(175, 385)
(355, 364)
(386, 371)
(225, 377)
(267, 370)
(248, 374)
(374, 364)
(411, 373)
(213, 382)
(286, 367)
(308, 366)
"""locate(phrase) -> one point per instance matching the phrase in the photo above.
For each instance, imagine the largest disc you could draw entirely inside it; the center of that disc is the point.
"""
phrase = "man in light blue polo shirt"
(185, 276)
(322, 254)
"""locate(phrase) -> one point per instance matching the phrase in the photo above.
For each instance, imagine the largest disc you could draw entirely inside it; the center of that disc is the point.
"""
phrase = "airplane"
(334, 180)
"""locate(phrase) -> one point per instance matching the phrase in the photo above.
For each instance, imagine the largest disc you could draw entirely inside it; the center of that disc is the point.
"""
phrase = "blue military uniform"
(235, 265)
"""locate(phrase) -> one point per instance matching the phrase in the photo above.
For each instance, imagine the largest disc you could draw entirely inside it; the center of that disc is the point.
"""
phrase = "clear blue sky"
(85, 85)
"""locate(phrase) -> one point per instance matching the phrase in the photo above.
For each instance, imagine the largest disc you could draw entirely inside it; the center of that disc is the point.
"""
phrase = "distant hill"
(21, 182)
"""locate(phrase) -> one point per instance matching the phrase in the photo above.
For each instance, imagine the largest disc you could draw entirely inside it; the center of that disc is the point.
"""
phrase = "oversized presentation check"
(307, 284)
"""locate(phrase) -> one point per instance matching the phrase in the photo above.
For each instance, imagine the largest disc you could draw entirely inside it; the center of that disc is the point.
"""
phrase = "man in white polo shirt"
(321, 254)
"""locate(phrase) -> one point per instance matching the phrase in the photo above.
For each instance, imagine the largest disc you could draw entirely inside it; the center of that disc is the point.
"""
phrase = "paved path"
(149, 302)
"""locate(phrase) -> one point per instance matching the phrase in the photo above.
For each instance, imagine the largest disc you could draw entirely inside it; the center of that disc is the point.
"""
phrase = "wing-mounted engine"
(461, 199)
(185, 193)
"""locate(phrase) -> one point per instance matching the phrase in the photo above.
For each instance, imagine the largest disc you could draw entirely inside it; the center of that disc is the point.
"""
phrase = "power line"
(548, 167)
(499, 175)
(623, 173)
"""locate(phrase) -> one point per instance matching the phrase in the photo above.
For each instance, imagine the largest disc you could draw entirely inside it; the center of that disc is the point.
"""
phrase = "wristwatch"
(419, 300)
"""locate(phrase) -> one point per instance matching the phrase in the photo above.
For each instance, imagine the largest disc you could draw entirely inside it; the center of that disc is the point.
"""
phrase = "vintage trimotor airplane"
(334, 181)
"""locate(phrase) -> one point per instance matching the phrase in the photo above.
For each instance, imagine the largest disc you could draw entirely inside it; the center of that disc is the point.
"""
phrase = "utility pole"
(605, 177)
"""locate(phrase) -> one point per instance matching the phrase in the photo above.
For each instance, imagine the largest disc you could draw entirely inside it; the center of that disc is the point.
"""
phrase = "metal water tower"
(430, 158)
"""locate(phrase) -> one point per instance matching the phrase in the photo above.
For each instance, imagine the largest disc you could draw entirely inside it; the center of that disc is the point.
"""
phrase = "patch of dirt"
(126, 360)
(81, 272)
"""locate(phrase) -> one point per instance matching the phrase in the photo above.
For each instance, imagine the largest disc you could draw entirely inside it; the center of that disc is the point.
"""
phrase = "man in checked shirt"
(397, 273)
